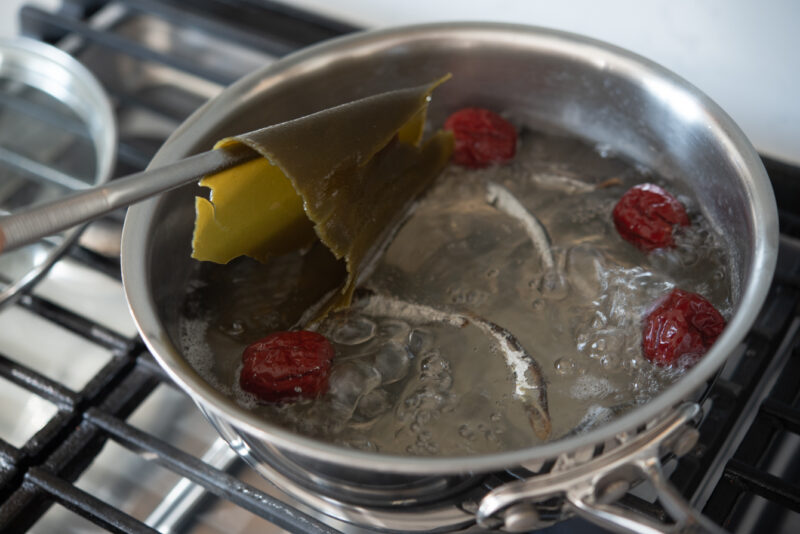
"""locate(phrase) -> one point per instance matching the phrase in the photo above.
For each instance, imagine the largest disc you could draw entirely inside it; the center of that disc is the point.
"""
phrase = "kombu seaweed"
(346, 175)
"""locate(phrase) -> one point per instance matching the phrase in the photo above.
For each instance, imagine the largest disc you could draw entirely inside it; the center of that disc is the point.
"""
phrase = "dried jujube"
(286, 366)
(681, 329)
(482, 137)
(646, 216)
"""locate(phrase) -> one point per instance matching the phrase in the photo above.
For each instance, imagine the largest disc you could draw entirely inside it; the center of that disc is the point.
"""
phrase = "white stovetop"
(742, 53)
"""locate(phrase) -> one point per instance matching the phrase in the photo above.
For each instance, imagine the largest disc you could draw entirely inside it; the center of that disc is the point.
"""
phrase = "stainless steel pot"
(553, 80)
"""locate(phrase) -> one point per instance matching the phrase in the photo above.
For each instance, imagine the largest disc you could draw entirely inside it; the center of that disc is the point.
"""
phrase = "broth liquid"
(423, 388)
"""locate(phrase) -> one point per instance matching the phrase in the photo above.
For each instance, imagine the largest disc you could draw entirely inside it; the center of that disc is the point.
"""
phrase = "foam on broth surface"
(407, 386)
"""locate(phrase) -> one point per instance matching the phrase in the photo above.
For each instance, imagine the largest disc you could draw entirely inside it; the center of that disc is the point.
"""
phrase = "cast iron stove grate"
(733, 473)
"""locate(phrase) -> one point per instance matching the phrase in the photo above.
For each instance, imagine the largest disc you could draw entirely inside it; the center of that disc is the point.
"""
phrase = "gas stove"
(94, 436)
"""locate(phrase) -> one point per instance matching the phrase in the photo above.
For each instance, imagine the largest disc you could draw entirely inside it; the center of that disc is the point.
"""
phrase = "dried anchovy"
(528, 379)
(503, 200)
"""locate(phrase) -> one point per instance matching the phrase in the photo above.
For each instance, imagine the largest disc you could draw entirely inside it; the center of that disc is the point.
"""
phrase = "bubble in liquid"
(470, 297)
(564, 366)
(234, 329)
(373, 404)
(581, 340)
(435, 370)
(586, 269)
(425, 446)
(362, 444)
(605, 151)
(349, 381)
(355, 330)
(553, 286)
(591, 387)
(424, 417)
(600, 320)
(392, 362)
(200, 356)
(631, 363)
(643, 170)
(636, 386)
(419, 340)
(466, 432)
(610, 362)
(432, 362)
(393, 329)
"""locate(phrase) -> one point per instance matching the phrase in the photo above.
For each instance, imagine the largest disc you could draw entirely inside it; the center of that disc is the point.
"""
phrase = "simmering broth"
(413, 385)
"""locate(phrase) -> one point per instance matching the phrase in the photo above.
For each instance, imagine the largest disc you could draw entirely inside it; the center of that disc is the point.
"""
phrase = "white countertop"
(742, 53)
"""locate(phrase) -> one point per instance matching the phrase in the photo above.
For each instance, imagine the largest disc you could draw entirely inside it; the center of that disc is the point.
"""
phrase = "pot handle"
(615, 518)
(590, 489)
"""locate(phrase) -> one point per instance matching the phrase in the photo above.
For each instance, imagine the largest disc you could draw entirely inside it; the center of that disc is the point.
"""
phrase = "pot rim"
(140, 218)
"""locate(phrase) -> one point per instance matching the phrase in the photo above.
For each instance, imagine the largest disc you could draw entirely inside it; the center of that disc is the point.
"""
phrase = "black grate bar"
(785, 179)
(107, 379)
(105, 337)
(12, 511)
(125, 396)
(787, 417)
(217, 482)
(271, 27)
(779, 308)
(266, 41)
(76, 452)
(130, 155)
(98, 262)
(745, 413)
(300, 16)
(69, 456)
(9, 455)
(128, 99)
(8, 481)
(36, 18)
(146, 362)
(85, 504)
(762, 483)
(47, 438)
(37, 383)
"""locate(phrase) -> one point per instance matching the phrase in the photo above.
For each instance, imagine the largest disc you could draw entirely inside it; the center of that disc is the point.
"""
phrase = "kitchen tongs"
(30, 225)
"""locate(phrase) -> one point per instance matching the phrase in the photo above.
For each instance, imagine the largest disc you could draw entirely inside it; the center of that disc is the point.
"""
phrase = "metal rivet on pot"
(612, 491)
(521, 517)
(686, 441)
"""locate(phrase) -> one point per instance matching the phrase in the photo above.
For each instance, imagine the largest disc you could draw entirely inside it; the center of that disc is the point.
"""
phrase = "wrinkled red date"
(645, 216)
(287, 366)
(482, 137)
(681, 329)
